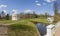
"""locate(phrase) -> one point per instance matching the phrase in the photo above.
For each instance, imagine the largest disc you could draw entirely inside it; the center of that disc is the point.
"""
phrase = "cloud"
(5, 11)
(49, 1)
(38, 4)
(36, 1)
(14, 11)
(1, 6)
(28, 11)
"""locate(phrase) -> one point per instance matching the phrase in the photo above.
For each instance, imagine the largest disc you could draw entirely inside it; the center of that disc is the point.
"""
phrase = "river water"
(41, 28)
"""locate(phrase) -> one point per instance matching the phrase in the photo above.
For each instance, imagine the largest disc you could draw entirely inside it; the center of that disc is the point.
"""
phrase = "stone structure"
(14, 15)
(50, 29)
(50, 19)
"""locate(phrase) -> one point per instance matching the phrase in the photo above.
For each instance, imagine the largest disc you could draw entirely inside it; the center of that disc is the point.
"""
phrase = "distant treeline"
(23, 15)
(33, 15)
(4, 16)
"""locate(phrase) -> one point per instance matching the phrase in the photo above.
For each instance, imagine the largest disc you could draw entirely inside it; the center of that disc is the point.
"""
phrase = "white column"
(49, 30)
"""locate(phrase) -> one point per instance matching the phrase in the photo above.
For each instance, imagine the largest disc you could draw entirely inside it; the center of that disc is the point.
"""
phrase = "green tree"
(46, 15)
(7, 16)
(56, 16)
(3, 15)
(0, 16)
(35, 15)
(41, 16)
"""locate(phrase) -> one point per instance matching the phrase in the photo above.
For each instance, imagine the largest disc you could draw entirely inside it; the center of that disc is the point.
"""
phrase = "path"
(57, 32)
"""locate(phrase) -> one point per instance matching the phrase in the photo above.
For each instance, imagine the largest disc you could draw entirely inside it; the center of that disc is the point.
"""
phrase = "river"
(41, 28)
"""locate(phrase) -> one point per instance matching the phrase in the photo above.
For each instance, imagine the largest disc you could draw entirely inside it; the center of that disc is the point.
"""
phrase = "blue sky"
(39, 6)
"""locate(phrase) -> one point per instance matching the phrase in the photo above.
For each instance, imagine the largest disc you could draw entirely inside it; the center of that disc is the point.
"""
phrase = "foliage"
(28, 15)
(56, 18)
(57, 15)
(43, 16)
(7, 17)
(2, 15)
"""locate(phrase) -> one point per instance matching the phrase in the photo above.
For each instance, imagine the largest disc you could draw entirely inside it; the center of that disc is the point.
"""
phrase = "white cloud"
(5, 11)
(28, 11)
(36, 1)
(14, 11)
(49, 1)
(1, 6)
(38, 4)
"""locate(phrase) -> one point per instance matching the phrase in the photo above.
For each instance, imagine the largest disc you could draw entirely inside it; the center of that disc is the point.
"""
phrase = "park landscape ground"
(24, 27)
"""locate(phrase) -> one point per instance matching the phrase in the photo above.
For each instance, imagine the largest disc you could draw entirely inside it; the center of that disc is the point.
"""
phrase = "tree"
(46, 15)
(7, 16)
(35, 15)
(21, 15)
(56, 16)
(2, 15)
(28, 15)
(42, 16)
(55, 8)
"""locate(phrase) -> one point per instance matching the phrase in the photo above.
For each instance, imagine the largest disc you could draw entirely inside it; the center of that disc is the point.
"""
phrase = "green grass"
(9, 21)
(40, 20)
(32, 20)
(23, 28)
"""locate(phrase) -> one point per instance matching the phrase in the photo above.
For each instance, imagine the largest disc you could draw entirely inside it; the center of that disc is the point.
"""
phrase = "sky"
(28, 6)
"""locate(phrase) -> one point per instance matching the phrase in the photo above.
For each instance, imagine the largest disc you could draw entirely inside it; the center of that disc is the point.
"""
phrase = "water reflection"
(41, 28)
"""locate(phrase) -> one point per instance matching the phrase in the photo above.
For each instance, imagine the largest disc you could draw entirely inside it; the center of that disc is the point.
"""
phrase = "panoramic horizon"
(29, 17)
(27, 6)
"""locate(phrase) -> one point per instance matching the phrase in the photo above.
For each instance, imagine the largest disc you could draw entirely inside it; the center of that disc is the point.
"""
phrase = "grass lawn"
(31, 20)
(7, 21)
(23, 28)
(40, 20)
